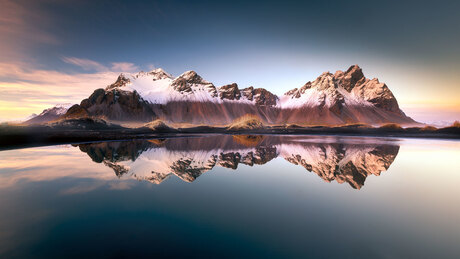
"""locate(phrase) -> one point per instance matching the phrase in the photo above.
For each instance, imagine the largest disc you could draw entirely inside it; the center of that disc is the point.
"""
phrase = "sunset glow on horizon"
(60, 52)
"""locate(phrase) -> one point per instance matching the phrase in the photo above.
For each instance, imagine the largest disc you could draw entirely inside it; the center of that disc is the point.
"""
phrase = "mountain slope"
(341, 98)
(331, 99)
(49, 114)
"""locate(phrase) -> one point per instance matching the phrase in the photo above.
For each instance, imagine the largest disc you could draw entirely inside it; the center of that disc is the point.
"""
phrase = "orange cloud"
(27, 90)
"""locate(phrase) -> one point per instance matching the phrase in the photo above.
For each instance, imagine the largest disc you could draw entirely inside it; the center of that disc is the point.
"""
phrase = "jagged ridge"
(331, 99)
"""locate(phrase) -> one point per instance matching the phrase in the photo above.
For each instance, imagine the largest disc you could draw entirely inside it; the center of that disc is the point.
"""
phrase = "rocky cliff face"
(113, 104)
(189, 158)
(260, 96)
(331, 99)
(370, 90)
(230, 92)
(343, 97)
(190, 82)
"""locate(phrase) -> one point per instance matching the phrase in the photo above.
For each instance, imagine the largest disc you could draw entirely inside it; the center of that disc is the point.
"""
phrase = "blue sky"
(413, 46)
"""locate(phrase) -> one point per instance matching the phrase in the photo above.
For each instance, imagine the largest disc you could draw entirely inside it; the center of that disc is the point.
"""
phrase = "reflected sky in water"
(278, 196)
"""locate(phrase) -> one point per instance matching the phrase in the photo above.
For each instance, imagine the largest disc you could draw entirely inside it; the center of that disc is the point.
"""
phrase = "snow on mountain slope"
(331, 99)
(159, 87)
(58, 109)
(321, 92)
(348, 88)
(49, 114)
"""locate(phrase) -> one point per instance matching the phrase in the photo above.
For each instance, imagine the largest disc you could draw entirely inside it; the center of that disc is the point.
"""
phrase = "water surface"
(228, 196)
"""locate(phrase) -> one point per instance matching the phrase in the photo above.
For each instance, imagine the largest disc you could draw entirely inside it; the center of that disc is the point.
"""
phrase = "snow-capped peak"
(159, 74)
(49, 114)
(350, 88)
(159, 71)
(155, 74)
(58, 109)
(159, 87)
(63, 105)
(192, 77)
(329, 90)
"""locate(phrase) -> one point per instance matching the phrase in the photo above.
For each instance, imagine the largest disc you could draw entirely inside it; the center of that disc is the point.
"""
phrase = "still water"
(231, 196)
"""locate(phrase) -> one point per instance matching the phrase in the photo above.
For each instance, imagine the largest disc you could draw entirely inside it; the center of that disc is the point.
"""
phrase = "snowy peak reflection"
(349, 160)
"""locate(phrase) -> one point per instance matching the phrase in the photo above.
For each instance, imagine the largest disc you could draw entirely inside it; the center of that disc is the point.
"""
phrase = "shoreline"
(23, 137)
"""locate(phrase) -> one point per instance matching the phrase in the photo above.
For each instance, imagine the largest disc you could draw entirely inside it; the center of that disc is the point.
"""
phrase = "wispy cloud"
(91, 65)
(22, 28)
(124, 67)
(28, 90)
(86, 64)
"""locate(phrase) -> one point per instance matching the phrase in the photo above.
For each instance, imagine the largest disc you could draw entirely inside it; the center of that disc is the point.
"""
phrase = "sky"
(61, 51)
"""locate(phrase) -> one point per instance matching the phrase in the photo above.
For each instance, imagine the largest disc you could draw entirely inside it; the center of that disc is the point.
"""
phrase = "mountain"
(49, 114)
(189, 158)
(331, 99)
(343, 97)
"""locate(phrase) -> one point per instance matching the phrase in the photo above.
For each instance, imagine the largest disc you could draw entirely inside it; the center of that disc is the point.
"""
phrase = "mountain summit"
(331, 99)
(345, 97)
(49, 114)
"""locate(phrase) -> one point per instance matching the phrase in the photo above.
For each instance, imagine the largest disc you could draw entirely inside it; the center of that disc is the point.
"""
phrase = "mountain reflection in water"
(349, 160)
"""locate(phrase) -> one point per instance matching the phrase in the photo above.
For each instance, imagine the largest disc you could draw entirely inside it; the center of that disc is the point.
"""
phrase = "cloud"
(22, 28)
(91, 65)
(124, 67)
(86, 64)
(151, 67)
(28, 90)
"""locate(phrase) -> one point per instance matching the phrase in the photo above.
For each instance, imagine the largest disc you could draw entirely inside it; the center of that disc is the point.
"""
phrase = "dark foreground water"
(231, 196)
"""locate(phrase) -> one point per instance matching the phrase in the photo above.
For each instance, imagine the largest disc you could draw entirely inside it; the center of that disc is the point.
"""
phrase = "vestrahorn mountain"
(331, 99)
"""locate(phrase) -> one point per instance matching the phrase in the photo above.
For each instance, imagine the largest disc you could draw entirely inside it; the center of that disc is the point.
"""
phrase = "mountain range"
(331, 99)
